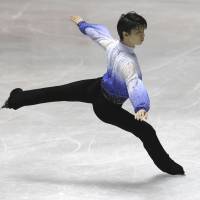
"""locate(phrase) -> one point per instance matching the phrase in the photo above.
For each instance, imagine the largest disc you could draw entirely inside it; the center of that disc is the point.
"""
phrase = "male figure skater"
(107, 93)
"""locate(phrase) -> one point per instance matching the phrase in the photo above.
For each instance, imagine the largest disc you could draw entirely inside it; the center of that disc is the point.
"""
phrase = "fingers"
(76, 19)
(146, 115)
(141, 115)
(138, 116)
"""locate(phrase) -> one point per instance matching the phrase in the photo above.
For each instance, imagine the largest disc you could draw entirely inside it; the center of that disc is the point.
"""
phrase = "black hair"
(130, 21)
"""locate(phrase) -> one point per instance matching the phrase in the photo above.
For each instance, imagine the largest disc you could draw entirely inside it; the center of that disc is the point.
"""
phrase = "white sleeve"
(97, 32)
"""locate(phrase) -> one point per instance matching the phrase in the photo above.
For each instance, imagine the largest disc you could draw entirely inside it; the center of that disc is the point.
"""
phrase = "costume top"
(123, 78)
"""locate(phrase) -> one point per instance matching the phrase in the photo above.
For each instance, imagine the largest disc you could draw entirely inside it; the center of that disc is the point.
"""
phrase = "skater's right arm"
(96, 32)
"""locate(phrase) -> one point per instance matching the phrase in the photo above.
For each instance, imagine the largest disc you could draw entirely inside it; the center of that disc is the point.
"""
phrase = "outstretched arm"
(137, 92)
(96, 32)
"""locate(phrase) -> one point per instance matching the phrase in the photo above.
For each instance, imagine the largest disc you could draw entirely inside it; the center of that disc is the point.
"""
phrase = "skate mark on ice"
(21, 12)
(42, 32)
(44, 142)
(171, 60)
(91, 143)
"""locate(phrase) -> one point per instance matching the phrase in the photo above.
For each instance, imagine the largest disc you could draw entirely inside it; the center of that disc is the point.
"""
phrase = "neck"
(126, 47)
(126, 43)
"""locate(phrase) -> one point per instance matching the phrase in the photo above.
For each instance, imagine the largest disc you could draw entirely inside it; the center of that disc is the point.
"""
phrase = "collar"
(126, 48)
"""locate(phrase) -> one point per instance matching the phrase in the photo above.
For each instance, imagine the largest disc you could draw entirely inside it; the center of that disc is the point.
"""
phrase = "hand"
(76, 19)
(141, 115)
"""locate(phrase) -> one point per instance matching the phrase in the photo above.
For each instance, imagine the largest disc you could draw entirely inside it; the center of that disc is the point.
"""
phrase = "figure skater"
(122, 80)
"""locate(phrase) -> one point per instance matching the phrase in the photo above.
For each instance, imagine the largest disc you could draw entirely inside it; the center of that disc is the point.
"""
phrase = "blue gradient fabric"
(123, 78)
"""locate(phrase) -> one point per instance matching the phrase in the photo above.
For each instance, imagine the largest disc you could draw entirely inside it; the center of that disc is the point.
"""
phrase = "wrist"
(140, 108)
(79, 22)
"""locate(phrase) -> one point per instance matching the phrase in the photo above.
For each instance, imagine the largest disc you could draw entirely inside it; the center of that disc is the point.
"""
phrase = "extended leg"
(117, 116)
(83, 91)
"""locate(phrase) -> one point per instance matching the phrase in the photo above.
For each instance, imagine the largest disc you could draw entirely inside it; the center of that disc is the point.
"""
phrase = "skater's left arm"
(137, 92)
(97, 32)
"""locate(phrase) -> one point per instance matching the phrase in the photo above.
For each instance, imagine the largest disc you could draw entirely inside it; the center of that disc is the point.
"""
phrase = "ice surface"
(61, 150)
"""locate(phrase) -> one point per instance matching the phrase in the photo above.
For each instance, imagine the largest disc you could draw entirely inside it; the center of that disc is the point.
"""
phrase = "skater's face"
(135, 37)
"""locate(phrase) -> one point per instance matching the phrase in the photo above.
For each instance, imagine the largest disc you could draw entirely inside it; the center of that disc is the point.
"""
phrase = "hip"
(111, 98)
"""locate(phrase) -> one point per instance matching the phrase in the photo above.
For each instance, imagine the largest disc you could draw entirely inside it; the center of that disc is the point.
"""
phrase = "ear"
(125, 33)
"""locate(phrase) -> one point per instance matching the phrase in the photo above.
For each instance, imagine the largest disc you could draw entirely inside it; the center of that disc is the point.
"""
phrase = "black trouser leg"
(117, 116)
(89, 91)
(83, 91)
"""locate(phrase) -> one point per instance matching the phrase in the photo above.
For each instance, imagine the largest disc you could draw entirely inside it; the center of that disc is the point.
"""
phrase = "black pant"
(89, 91)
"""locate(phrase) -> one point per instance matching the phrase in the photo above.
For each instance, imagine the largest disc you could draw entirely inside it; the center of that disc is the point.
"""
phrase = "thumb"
(146, 115)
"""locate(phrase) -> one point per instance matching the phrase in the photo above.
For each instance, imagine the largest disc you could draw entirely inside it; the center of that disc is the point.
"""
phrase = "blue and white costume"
(123, 78)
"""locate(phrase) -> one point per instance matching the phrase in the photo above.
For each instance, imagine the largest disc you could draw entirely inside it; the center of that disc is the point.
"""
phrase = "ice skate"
(12, 93)
(175, 169)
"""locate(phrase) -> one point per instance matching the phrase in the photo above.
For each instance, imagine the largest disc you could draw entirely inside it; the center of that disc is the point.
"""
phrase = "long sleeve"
(137, 92)
(96, 32)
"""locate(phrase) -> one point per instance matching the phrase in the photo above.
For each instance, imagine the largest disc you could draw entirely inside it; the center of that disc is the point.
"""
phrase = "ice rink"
(61, 150)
